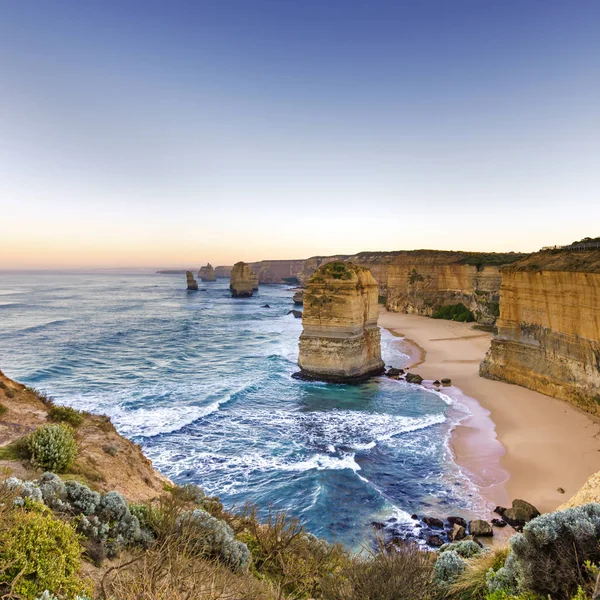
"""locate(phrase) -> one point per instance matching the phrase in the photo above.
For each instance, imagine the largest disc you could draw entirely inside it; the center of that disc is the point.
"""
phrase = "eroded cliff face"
(549, 327)
(242, 280)
(340, 339)
(223, 272)
(278, 271)
(421, 281)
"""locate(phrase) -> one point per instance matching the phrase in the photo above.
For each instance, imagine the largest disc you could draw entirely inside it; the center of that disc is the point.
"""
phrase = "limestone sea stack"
(192, 284)
(340, 341)
(207, 273)
(242, 281)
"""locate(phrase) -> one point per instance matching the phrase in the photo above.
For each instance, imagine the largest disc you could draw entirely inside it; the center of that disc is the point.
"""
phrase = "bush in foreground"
(52, 447)
(39, 552)
(65, 414)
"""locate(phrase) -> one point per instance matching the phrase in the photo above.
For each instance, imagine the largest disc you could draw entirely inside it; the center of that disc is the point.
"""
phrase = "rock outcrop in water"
(254, 280)
(242, 280)
(192, 284)
(340, 341)
(549, 327)
(207, 273)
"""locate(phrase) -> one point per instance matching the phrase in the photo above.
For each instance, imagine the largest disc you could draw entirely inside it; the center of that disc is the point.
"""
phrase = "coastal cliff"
(223, 272)
(340, 339)
(549, 327)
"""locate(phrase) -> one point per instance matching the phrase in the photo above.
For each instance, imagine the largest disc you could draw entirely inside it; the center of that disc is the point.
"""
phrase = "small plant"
(454, 312)
(52, 447)
(9, 393)
(39, 552)
(65, 414)
(3, 410)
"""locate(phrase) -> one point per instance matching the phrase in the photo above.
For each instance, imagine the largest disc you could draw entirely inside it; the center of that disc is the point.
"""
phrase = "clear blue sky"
(167, 133)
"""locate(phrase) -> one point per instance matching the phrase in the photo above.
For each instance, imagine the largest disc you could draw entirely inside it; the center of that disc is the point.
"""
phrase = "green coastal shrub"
(454, 312)
(65, 414)
(52, 447)
(549, 557)
(3, 410)
(39, 552)
(448, 568)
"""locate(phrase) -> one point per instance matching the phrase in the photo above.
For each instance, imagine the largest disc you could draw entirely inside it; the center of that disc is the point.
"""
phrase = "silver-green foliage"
(465, 548)
(52, 447)
(214, 538)
(548, 557)
(448, 567)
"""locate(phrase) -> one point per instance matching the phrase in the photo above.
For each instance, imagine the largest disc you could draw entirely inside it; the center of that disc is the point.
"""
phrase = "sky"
(172, 133)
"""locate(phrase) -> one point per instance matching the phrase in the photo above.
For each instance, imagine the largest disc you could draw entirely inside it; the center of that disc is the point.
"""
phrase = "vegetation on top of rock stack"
(454, 312)
(337, 270)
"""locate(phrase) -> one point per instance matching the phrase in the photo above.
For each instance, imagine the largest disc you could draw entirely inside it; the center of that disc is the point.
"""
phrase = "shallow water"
(203, 382)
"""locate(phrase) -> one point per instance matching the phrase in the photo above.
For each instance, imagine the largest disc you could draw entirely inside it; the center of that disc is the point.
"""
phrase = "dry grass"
(472, 584)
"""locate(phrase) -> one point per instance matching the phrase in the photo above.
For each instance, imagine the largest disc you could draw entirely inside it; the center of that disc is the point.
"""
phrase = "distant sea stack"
(340, 341)
(207, 273)
(242, 281)
(549, 327)
(192, 284)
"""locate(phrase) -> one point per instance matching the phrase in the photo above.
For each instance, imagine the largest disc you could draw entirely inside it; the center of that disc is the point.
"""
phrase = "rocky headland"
(207, 273)
(549, 327)
(340, 341)
(242, 280)
(223, 272)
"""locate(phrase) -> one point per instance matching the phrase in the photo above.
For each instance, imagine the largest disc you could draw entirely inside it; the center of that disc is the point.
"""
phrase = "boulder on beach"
(433, 522)
(192, 284)
(458, 533)
(519, 514)
(446, 381)
(414, 378)
(480, 528)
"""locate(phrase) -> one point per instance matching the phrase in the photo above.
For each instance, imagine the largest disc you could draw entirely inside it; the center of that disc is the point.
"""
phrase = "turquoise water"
(203, 383)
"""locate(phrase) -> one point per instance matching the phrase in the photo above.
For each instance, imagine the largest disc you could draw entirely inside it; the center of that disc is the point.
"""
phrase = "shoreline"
(516, 443)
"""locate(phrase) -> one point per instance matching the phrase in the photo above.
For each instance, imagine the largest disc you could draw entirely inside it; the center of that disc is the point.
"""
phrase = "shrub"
(549, 557)
(3, 410)
(214, 539)
(405, 574)
(448, 568)
(465, 548)
(65, 414)
(52, 447)
(38, 553)
(81, 499)
(9, 393)
(454, 312)
(23, 490)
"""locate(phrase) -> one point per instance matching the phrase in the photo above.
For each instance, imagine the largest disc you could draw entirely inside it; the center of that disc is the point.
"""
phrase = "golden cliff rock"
(549, 327)
(192, 284)
(242, 280)
(207, 273)
(340, 341)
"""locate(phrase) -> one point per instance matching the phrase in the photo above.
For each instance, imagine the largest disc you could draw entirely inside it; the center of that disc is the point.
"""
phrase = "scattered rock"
(560, 490)
(434, 540)
(433, 522)
(499, 523)
(480, 528)
(298, 297)
(414, 378)
(499, 510)
(457, 521)
(437, 382)
(377, 525)
(446, 381)
(414, 517)
(521, 513)
(458, 533)
(393, 373)
(192, 284)
(296, 313)
(266, 306)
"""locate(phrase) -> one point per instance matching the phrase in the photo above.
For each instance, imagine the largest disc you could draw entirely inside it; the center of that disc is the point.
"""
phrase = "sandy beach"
(518, 443)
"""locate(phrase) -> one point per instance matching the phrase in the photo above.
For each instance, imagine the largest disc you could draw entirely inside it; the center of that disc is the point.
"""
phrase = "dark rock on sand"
(498, 523)
(446, 381)
(433, 522)
(520, 513)
(434, 540)
(457, 521)
(414, 378)
(480, 528)
(458, 533)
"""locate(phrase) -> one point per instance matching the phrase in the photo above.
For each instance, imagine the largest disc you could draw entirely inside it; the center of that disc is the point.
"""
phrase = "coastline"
(516, 443)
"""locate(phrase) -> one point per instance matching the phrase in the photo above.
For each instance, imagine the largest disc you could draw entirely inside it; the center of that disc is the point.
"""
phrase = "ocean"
(203, 382)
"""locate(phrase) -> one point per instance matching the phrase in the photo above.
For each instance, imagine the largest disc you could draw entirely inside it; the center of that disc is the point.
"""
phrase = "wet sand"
(517, 443)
